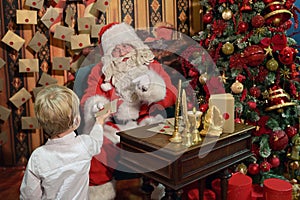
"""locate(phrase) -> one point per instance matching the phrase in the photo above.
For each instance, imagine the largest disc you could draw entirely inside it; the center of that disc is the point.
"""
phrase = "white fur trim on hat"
(105, 191)
(120, 34)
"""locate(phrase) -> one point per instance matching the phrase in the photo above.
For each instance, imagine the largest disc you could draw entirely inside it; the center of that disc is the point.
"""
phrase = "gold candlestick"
(176, 137)
(195, 120)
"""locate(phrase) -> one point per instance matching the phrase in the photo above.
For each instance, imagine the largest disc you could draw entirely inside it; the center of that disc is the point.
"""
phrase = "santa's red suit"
(143, 91)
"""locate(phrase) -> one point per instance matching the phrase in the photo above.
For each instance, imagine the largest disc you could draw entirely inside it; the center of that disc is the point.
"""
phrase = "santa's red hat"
(119, 33)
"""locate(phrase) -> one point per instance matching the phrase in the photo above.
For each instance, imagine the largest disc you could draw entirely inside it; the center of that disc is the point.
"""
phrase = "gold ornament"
(237, 87)
(227, 14)
(272, 65)
(276, 21)
(241, 168)
(203, 78)
(227, 48)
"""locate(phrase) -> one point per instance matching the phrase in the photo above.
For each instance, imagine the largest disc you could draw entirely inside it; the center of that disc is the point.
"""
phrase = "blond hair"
(56, 108)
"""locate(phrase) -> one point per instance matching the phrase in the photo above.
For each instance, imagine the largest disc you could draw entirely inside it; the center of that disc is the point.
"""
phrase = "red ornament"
(278, 99)
(257, 21)
(254, 55)
(278, 140)
(207, 18)
(287, 25)
(193, 73)
(238, 120)
(190, 106)
(255, 150)
(255, 91)
(207, 42)
(252, 105)
(265, 166)
(242, 27)
(274, 161)
(276, 14)
(246, 6)
(253, 169)
(203, 108)
(287, 55)
(291, 131)
(294, 71)
(268, 1)
(289, 4)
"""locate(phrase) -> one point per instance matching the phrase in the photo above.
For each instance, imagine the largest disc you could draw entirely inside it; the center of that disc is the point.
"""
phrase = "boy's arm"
(96, 134)
(96, 142)
(31, 184)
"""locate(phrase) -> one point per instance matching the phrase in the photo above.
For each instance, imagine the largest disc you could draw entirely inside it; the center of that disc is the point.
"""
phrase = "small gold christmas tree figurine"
(213, 122)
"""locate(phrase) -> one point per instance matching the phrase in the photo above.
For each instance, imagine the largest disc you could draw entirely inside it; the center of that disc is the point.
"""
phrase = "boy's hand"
(101, 118)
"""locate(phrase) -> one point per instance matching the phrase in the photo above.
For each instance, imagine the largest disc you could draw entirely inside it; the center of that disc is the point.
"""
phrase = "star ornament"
(265, 94)
(268, 50)
(223, 78)
(261, 30)
(285, 73)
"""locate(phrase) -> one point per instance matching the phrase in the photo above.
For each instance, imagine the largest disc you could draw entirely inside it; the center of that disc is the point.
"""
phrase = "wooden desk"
(176, 166)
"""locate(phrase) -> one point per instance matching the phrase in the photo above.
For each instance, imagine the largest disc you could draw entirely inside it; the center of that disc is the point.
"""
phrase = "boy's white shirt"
(60, 168)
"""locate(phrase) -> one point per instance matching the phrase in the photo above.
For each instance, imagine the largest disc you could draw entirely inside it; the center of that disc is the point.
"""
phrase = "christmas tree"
(257, 62)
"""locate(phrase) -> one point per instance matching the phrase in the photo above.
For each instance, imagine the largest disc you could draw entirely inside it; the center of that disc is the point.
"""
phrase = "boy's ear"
(76, 121)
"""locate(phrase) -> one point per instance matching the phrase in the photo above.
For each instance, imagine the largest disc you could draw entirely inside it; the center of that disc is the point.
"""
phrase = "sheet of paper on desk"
(163, 129)
(112, 106)
(171, 121)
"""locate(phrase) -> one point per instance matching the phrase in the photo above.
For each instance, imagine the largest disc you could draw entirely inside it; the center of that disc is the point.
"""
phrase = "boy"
(59, 169)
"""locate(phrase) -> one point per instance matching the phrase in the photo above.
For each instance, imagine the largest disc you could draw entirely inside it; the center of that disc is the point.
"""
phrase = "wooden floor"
(10, 181)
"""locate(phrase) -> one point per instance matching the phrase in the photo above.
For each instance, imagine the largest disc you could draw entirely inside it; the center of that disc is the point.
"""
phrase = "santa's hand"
(142, 82)
(97, 107)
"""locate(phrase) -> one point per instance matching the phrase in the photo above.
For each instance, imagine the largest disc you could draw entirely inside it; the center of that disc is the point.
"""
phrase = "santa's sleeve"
(93, 95)
(171, 91)
(93, 81)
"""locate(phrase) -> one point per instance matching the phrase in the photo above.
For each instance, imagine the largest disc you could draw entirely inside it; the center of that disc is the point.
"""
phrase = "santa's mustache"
(129, 58)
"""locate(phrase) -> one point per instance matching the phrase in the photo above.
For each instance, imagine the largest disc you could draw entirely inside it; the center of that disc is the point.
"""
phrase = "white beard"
(123, 72)
(124, 86)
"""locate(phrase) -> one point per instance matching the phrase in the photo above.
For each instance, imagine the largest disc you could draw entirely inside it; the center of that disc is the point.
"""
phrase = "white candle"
(184, 107)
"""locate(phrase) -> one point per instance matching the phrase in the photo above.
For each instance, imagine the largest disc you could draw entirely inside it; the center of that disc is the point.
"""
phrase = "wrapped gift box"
(225, 103)
(277, 189)
(239, 187)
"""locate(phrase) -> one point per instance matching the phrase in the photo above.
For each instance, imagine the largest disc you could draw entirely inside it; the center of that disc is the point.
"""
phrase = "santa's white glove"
(142, 82)
(97, 107)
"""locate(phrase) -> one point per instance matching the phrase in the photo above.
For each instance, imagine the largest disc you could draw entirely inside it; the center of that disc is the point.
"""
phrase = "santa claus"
(129, 74)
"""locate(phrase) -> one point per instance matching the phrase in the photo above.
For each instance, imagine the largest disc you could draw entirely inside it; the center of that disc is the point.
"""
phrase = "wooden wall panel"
(114, 12)
(169, 12)
(142, 14)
